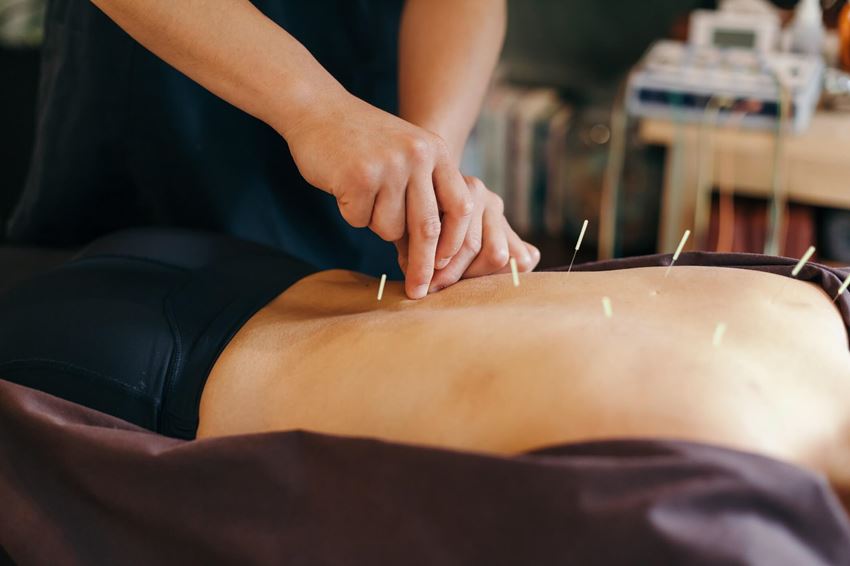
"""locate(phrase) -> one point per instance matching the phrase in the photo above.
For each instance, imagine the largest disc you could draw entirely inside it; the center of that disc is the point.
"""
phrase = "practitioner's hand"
(489, 244)
(389, 175)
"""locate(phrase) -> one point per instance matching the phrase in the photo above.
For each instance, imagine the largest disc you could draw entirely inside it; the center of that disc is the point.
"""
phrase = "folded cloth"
(82, 487)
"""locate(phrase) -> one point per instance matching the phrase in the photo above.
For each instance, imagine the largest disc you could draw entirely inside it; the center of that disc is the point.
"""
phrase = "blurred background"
(737, 126)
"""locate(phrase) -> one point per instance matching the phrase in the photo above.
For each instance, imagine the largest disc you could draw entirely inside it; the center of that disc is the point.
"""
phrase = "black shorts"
(133, 325)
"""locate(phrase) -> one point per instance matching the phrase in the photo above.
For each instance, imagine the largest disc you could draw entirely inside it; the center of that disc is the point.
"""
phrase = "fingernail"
(443, 262)
(420, 291)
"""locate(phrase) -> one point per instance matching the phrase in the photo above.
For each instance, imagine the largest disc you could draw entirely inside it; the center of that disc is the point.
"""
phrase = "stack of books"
(520, 154)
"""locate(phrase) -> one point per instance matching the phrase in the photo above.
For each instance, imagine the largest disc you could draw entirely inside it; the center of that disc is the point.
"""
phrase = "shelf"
(816, 163)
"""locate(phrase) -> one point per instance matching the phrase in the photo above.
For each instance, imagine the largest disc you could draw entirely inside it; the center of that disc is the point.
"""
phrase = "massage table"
(81, 487)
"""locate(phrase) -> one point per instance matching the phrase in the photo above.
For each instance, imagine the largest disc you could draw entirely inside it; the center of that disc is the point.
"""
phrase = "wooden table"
(814, 168)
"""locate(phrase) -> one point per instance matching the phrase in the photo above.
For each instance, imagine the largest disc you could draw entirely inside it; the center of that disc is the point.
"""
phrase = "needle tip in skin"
(678, 252)
(578, 244)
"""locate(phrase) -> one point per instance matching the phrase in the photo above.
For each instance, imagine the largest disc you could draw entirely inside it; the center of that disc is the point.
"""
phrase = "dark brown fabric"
(81, 487)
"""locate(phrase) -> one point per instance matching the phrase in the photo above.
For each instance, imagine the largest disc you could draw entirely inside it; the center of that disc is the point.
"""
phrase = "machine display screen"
(734, 38)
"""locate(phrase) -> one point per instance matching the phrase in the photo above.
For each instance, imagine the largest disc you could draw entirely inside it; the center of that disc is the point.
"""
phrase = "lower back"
(487, 366)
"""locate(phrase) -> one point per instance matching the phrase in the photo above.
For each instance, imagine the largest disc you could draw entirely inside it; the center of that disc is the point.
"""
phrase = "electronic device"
(730, 57)
(725, 30)
(683, 79)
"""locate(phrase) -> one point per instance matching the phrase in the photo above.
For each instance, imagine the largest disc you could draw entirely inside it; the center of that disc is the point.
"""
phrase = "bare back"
(487, 366)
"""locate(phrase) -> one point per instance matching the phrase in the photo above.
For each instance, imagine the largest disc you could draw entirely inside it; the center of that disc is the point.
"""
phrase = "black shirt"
(123, 139)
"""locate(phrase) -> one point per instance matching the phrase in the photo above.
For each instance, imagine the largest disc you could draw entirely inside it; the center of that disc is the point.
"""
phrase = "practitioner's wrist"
(442, 128)
(304, 103)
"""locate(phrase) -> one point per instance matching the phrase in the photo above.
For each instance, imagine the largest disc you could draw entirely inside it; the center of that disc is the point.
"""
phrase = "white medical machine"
(730, 63)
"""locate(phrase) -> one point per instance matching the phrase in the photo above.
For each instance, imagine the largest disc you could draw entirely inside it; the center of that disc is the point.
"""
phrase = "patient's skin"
(490, 367)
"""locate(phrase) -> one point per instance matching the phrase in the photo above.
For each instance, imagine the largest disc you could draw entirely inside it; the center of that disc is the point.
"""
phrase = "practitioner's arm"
(447, 52)
(384, 172)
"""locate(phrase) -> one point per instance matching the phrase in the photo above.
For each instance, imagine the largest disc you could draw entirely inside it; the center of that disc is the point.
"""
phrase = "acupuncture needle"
(803, 261)
(381, 286)
(578, 244)
(678, 251)
(514, 272)
(719, 332)
(797, 269)
(607, 308)
(843, 288)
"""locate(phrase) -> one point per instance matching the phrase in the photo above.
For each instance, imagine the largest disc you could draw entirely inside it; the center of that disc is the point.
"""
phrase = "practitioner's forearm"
(233, 50)
(447, 52)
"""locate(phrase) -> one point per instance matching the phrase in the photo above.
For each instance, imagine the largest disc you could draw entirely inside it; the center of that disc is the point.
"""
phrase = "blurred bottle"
(807, 30)
(844, 35)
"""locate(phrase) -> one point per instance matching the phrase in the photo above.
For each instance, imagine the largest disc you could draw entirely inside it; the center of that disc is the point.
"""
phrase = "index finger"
(423, 226)
(455, 202)
(401, 247)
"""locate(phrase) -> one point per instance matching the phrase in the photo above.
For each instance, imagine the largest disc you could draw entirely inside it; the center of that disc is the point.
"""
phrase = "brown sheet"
(80, 487)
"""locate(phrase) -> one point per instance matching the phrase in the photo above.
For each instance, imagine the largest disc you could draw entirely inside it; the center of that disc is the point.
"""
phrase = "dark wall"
(19, 69)
(584, 45)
